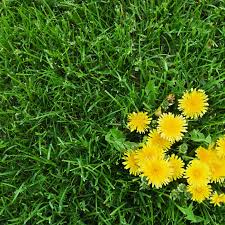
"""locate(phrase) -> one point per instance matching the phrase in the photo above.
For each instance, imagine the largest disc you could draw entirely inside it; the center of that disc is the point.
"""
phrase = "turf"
(70, 72)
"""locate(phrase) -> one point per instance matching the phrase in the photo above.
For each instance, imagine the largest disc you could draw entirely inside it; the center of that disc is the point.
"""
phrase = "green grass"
(70, 71)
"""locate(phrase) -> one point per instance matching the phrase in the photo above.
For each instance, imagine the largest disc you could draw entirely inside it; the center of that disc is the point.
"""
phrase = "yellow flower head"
(130, 162)
(197, 172)
(217, 199)
(220, 148)
(148, 152)
(216, 164)
(205, 155)
(157, 171)
(193, 104)
(156, 140)
(177, 165)
(138, 121)
(199, 193)
(172, 127)
(217, 169)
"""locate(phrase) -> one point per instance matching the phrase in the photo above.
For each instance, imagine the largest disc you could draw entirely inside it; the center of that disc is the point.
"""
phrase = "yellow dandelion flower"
(205, 155)
(172, 127)
(197, 172)
(138, 121)
(217, 169)
(199, 192)
(157, 171)
(220, 148)
(130, 162)
(217, 199)
(156, 140)
(215, 163)
(193, 104)
(177, 165)
(148, 152)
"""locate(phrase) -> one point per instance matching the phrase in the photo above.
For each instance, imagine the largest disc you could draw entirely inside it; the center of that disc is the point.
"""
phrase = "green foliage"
(118, 141)
(197, 136)
(72, 70)
(188, 212)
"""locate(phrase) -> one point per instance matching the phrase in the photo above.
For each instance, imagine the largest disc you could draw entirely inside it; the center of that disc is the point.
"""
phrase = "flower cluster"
(208, 167)
(155, 159)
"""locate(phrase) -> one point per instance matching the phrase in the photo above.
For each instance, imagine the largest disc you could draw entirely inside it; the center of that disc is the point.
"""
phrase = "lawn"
(70, 72)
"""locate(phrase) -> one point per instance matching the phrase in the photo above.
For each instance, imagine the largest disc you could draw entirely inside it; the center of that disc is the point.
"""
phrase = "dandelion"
(214, 162)
(193, 104)
(199, 192)
(205, 155)
(177, 167)
(138, 121)
(217, 169)
(217, 199)
(156, 140)
(148, 152)
(172, 127)
(157, 171)
(197, 172)
(130, 162)
(220, 148)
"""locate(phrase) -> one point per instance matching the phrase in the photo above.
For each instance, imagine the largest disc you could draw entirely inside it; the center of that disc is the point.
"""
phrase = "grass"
(70, 72)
